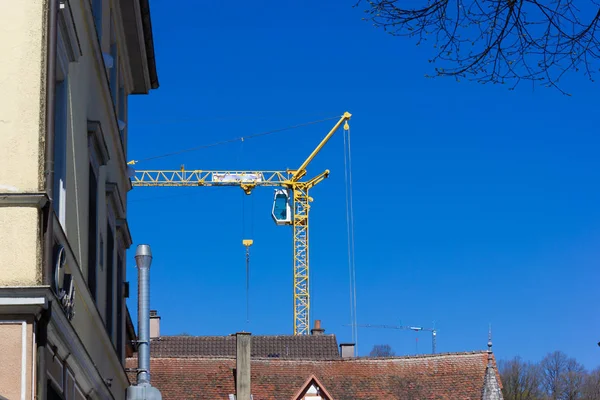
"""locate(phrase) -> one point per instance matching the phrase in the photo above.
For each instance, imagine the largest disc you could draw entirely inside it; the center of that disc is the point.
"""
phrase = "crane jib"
(290, 206)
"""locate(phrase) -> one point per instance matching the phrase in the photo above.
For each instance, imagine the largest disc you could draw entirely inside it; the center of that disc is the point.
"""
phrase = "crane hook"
(247, 243)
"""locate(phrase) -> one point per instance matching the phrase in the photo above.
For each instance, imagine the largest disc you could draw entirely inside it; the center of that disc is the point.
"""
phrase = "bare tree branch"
(554, 366)
(499, 41)
(521, 380)
(382, 350)
(591, 386)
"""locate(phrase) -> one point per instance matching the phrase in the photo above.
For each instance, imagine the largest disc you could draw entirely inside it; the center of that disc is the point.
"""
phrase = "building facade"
(67, 70)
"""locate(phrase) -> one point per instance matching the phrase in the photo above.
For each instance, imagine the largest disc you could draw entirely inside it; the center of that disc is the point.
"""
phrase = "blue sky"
(473, 204)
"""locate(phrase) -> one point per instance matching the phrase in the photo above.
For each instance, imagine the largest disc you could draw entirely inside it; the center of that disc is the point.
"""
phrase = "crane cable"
(233, 140)
(247, 284)
(350, 231)
(245, 241)
(248, 257)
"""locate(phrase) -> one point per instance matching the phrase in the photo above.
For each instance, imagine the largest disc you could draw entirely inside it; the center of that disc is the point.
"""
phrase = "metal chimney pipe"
(143, 259)
(143, 390)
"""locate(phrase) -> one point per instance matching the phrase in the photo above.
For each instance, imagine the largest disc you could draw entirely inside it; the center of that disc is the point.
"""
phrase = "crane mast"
(291, 206)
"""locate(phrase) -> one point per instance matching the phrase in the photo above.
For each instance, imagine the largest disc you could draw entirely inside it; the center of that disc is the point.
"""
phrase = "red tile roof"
(456, 376)
(314, 347)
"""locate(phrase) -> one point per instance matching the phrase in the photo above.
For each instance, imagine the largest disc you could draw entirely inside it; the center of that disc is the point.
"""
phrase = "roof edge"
(233, 336)
(149, 43)
(455, 353)
(292, 360)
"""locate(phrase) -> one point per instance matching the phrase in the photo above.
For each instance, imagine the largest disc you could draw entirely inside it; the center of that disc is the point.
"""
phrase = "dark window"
(120, 333)
(110, 248)
(92, 231)
(60, 150)
(52, 393)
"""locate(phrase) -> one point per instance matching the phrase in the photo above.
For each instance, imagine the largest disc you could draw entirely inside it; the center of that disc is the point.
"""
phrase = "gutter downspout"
(49, 140)
(48, 213)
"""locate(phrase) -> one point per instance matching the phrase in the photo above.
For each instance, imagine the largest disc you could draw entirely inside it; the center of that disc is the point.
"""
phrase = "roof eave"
(139, 39)
(149, 42)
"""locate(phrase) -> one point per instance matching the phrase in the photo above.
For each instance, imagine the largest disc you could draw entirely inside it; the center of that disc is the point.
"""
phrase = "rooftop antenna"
(406, 328)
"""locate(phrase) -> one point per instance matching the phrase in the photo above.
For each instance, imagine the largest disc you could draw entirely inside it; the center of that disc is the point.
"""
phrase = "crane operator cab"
(282, 209)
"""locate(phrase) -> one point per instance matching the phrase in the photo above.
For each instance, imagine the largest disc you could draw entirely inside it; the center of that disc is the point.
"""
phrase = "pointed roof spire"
(489, 345)
(491, 386)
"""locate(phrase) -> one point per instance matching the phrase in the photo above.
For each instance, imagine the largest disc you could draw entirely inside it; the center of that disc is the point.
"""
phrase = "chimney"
(143, 390)
(242, 366)
(154, 324)
(347, 350)
(317, 330)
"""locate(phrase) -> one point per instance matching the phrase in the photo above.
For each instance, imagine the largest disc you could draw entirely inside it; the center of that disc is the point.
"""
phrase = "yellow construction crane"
(291, 204)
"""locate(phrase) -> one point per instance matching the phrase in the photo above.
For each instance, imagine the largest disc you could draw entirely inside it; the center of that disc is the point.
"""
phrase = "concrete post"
(242, 372)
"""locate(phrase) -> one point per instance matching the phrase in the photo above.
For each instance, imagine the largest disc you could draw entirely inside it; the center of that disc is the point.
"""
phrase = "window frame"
(98, 156)
(97, 11)
(122, 112)
(114, 73)
(124, 242)
(61, 132)
(116, 83)
(114, 210)
(68, 50)
(120, 301)
(109, 306)
(94, 252)
(61, 128)
(108, 64)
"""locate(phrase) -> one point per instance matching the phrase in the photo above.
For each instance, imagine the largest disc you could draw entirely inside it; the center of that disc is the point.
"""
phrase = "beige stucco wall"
(22, 41)
(12, 366)
(19, 246)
